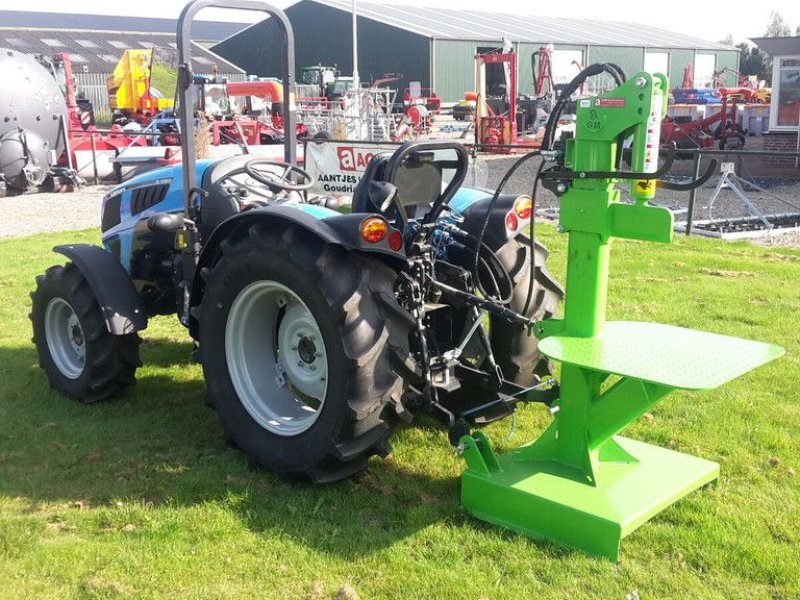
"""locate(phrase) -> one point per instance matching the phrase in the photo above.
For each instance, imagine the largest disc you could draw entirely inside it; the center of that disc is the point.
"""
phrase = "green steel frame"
(580, 484)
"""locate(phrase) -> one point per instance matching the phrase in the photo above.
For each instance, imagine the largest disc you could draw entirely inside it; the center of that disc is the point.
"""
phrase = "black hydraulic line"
(573, 86)
(487, 305)
(572, 175)
(532, 240)
(620, 78)
(502, 271)
(694, 183)
(492, 202)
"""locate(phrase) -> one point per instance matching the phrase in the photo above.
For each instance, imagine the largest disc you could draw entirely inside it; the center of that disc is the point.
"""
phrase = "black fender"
(119, 301)
(342, 230)
(495, 235)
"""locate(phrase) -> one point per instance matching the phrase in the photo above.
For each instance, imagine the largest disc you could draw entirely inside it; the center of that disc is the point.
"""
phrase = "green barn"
(437, 46)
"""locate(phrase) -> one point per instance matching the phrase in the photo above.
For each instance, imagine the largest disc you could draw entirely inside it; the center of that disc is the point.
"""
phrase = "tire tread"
(354, 287)
(112, 366)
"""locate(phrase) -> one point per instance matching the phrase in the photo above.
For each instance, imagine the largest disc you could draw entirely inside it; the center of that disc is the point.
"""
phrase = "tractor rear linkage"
(434, 373)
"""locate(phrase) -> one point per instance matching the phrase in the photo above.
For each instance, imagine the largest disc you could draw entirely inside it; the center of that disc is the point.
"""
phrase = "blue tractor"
(318, 330)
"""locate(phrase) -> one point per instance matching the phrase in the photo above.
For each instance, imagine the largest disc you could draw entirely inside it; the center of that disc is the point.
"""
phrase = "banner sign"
(337, 167)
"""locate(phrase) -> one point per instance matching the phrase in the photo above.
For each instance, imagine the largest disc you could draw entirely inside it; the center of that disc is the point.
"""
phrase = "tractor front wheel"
(81, 358)
(297, 349)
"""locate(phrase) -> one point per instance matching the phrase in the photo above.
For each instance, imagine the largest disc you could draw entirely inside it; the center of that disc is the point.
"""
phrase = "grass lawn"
(140, 498)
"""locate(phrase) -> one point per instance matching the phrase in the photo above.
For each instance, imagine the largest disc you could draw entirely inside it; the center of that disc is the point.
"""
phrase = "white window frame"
(776, 89)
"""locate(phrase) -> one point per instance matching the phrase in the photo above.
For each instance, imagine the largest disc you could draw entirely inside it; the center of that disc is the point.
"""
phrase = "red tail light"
(512, 223)
(395, 240)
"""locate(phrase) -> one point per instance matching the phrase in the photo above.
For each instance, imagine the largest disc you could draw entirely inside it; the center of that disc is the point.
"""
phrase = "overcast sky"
(705, 19)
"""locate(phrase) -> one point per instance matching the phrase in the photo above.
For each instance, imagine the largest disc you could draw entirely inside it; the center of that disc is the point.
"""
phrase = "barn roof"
(94, 51)
(457, 24)
(208, 31)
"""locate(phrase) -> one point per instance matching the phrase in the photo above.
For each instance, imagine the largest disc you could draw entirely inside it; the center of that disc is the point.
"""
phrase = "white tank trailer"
(32, 109)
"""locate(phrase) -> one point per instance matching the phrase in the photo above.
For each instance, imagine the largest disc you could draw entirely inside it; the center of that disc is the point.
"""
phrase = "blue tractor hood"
(173, 173)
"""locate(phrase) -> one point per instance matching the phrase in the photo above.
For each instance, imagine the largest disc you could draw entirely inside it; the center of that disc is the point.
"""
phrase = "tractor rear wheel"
(297, 344)
(517, 352)
(81, 358)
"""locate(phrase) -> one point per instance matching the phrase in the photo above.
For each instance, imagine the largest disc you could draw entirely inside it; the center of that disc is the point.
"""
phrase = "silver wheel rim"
(65, 338)
(276, 358)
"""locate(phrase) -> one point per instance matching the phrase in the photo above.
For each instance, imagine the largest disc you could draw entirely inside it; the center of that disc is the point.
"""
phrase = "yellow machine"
(129, 88)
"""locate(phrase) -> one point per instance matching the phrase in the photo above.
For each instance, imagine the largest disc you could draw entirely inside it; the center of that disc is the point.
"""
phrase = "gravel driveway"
(43, 213)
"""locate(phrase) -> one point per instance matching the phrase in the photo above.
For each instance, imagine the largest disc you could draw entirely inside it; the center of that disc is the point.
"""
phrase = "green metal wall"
(454, 64)
(454, 67)
(630, 60)
(680, 58)
(677, 65)
(728, 59)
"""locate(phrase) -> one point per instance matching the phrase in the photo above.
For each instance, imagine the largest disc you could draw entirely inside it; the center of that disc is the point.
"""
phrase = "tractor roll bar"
(186, 86)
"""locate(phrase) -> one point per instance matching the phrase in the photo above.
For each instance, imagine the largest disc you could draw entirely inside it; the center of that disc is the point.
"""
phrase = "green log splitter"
(580, 484)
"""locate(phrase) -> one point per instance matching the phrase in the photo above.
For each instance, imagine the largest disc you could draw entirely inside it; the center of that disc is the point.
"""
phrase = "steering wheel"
(255, 169)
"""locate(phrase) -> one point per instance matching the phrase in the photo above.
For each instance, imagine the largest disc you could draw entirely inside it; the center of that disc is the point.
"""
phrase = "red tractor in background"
(243, 112)
(719, 127)
(502, 117)
(702, 133)
(426, 97)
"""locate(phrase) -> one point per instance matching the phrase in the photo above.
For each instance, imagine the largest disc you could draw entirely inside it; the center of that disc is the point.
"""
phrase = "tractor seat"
(418, 183)
(375, 171)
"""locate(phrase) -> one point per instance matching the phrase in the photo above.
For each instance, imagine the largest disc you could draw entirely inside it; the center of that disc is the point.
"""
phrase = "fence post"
(693, 193)
(797, 147)
(63, 130)
(94, 160)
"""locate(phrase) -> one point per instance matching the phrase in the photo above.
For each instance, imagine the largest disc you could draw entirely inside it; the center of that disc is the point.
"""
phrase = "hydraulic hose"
(573, 86)
(532, 240)
(548, 141)
(490, 264)
(492, 202)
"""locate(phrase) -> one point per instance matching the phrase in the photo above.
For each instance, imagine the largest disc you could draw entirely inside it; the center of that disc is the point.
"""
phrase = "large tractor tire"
(297, 340)
(516, 352)
(81, 358)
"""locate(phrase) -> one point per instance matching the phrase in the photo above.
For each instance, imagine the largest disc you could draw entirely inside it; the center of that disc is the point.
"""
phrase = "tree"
(797, 30)
(777, 26)
(753, 62)
(727, 40)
